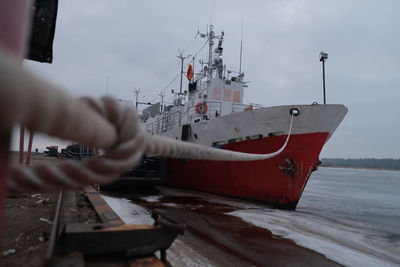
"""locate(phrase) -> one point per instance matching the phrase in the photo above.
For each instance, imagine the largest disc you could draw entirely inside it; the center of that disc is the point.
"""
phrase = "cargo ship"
(212, 112)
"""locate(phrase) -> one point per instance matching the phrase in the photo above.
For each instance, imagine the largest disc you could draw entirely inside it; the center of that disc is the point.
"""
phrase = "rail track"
(86, 232)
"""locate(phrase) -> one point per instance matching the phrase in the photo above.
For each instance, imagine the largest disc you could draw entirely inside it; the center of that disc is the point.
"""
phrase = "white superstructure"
(213, 92)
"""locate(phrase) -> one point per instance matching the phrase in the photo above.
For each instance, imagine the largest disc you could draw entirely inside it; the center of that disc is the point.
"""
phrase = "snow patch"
(180, 254)
(130, 213)
(344, 242)
(151, 198)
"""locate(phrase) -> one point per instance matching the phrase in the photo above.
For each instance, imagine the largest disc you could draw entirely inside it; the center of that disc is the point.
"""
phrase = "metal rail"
(54, 231)
(70, 240)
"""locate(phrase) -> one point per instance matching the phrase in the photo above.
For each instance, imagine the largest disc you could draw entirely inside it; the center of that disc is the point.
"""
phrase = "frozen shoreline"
(349, 215)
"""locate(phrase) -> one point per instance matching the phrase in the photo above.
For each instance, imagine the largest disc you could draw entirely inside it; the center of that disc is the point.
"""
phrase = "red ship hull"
(279, 181)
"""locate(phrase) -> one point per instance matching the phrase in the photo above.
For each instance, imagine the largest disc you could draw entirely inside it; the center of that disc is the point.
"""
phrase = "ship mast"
(210, 38)
(241, 46)
(182, 58)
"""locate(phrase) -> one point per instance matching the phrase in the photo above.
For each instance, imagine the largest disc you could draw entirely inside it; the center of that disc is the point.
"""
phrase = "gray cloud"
(135, 44)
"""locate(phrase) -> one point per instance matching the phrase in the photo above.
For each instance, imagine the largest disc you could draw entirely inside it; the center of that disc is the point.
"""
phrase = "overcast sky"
(135, 44)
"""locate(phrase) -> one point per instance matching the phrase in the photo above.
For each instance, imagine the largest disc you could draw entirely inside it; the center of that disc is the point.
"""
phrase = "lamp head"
(323, 56)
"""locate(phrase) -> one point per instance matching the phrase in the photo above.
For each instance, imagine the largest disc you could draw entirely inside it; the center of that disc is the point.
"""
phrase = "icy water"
(367, 196)
(351, 216)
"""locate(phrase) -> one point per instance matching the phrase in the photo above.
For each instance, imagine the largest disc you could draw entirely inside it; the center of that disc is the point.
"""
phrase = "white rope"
(168, 147)
(42, 107)
(102, 123)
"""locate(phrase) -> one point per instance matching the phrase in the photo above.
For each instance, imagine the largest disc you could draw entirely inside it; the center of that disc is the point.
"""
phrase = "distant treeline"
(362, 163)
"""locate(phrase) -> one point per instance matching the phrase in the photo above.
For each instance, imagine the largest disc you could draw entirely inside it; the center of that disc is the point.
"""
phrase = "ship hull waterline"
(279, 181)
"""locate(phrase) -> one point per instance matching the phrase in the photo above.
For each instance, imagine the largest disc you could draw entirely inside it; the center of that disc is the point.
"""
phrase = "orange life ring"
(201, 108)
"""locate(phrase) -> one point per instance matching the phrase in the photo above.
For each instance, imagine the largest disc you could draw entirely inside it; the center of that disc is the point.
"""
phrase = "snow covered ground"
(187, 250)
(350, 216)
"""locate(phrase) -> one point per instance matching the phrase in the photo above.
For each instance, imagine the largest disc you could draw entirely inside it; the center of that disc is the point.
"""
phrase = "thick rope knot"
(121, 157)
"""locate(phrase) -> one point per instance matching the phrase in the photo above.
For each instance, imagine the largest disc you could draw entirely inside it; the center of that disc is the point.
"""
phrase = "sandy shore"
(28, 221)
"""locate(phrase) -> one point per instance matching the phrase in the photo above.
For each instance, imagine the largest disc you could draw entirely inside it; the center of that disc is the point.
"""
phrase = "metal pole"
(323, 79)
(136, 92)
(323, 57)
(240, 64)
(162, 102)
(180, 88)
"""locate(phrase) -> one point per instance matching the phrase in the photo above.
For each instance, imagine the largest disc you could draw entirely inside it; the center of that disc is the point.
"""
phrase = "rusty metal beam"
(133, 240)
(138, 243)
(103, 210)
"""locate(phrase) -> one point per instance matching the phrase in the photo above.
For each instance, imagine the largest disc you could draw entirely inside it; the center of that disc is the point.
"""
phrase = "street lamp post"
(323, 57)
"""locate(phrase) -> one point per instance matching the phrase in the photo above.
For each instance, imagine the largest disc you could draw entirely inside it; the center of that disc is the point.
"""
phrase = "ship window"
(227, 95)
(236, 96)
(217, 93)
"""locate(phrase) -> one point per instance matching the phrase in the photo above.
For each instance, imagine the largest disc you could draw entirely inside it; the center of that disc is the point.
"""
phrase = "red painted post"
(4, 150)
(28, 156)
(21, 144)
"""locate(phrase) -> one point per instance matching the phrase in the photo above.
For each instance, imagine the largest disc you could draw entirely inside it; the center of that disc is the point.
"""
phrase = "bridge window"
(217, 93)
(236, 96)
(227, 95)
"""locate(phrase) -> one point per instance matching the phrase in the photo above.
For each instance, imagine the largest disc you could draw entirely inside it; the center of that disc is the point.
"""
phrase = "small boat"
(211, 112)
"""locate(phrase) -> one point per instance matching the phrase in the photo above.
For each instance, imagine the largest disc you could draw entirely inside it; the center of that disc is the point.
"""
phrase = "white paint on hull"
(263, 122)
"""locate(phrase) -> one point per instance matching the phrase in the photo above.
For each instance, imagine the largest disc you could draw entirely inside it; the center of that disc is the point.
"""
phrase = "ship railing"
(237, 107)
(172, 120)
(167, 121)
(214, 109)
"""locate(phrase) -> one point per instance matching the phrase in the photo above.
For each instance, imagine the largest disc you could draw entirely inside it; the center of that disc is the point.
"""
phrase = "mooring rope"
(101, 123)
(164, 146)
